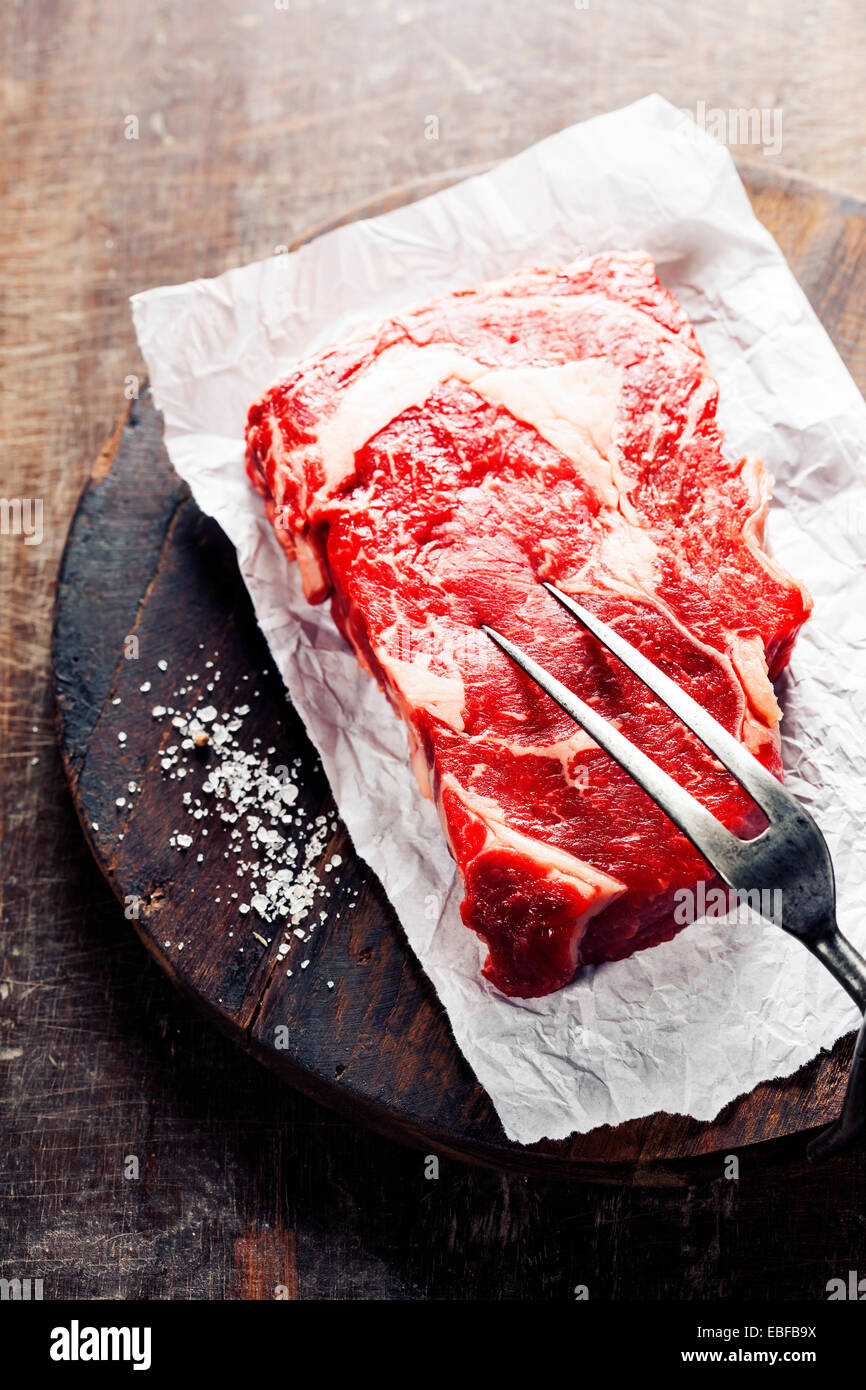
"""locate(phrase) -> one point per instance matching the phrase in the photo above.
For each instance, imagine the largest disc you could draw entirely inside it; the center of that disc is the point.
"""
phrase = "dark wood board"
(141, 559)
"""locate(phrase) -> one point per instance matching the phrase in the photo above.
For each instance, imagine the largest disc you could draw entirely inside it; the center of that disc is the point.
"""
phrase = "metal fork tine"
(710, 838)
(758, 782)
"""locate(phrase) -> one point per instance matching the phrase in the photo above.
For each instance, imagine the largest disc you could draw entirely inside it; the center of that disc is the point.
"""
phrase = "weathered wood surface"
(256, 127)
(146, 580)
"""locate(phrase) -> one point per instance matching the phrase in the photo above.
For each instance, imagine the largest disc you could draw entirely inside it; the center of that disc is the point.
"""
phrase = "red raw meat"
(427, 472)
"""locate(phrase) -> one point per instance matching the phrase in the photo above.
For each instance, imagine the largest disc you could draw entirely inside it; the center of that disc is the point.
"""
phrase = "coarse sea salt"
(276, 846)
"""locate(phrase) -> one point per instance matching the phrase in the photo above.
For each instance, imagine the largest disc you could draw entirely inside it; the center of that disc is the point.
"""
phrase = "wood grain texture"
(362, 1030)
(256, 127)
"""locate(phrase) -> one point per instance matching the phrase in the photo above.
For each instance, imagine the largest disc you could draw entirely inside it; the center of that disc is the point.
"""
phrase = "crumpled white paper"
(691, 1024)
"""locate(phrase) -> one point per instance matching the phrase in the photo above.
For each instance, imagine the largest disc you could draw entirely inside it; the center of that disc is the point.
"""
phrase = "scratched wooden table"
(150, 145)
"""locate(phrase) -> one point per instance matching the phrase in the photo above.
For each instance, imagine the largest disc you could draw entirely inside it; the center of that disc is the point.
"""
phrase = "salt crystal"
(244, 791)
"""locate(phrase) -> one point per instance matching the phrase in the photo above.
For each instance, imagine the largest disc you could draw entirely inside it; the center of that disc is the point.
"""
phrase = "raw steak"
(427, 472)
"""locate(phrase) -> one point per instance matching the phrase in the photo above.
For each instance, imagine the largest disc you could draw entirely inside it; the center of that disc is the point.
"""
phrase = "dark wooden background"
(255, 126)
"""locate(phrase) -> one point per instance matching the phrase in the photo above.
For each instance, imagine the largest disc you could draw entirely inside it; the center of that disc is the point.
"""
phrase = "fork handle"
(847, 965)
(852, 1120)
(849, 968)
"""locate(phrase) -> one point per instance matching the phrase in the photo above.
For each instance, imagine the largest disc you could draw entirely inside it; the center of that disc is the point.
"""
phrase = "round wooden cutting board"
(361, 1029)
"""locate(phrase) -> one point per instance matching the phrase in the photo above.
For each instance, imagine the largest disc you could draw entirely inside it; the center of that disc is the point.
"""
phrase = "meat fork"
(790, 854)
